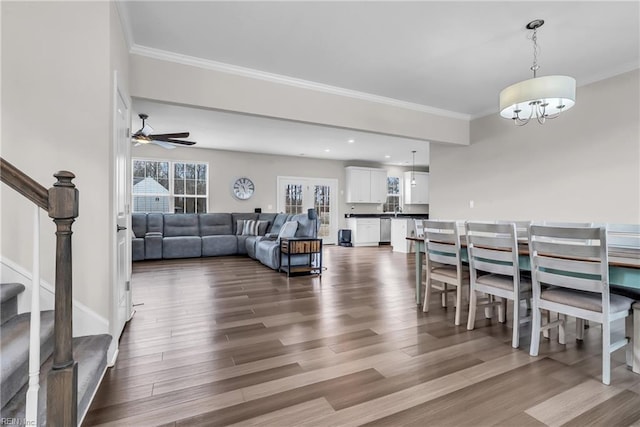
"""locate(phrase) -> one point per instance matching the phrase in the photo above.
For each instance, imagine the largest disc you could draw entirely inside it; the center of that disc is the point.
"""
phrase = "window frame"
(385, 205)
(172, 195)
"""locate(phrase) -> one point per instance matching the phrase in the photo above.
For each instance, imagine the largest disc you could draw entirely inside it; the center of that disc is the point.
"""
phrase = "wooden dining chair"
(443, 263)
(495, 271)
(573, 263)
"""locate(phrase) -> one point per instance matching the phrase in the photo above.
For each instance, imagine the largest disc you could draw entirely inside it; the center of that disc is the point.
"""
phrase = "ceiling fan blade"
(179, 141)
(146, 130)
(163, 144)
(164, 136)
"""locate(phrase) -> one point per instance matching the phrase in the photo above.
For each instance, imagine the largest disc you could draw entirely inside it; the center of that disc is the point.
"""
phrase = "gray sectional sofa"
(165, 236)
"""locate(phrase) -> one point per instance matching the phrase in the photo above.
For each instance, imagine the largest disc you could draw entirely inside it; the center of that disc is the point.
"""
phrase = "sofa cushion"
(219, 245)
(236, 216)
(288, 230)
(267, 217)
(179, 225)
(215, 224)
(305, 225)
(138, 224)
(182, 247)
(240, 226)
(155, 223)
(278, 222)
(137, 249)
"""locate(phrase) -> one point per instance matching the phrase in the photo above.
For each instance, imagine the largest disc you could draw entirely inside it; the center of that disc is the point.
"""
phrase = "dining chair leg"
(458, 305)
(580, 329)
(488, 310)
(502, 310)
(427, 296)
(547, 332)
(536, 318)
(473, 301)
(445, 294)
(561, 328)
(515, 341)
(628, 329)
(606, 352)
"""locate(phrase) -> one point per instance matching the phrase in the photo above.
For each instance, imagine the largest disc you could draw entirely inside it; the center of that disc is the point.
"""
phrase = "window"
(166, 186)
(393, 195)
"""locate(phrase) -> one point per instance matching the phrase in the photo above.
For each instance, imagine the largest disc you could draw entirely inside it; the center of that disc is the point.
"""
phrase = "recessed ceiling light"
(327, 150)
(387, 156)
(351, 141)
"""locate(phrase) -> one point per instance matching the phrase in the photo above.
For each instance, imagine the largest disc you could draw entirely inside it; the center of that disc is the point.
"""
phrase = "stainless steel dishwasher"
(385, 230)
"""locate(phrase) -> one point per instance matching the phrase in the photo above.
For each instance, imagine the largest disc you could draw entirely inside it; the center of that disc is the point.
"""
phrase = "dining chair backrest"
(569, 257)
(442, 242)
(623, 236)
(522, 228)
(493, 247)
(419, 224)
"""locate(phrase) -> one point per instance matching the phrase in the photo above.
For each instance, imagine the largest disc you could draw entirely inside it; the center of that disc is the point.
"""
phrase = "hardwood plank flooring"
(227, 341)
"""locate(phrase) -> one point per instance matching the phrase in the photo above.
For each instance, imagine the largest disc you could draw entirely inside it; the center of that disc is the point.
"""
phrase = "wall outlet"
(270, 207)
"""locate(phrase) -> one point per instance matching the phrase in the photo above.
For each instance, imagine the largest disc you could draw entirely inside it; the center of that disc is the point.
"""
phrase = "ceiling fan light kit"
(166, 140)
(540, 97)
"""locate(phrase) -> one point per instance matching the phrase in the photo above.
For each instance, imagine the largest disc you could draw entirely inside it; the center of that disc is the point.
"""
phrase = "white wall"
(263, 170)
(193, 85)
(57, 75)
(582, 166)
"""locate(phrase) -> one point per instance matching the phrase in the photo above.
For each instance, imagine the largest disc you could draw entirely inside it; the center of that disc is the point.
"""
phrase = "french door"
(296, 195)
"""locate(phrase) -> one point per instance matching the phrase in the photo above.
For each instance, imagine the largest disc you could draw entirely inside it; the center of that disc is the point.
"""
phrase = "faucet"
(397, 210)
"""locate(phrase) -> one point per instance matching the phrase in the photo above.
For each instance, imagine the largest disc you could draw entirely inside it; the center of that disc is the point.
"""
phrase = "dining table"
(624, 277)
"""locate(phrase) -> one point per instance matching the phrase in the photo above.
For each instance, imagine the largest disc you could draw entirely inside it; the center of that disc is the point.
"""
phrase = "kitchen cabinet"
(401, 228)
(364, 231)
(418, 194)
(366, 185)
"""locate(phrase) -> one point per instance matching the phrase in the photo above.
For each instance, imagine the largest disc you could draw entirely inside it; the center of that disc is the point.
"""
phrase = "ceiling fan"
(166, 140)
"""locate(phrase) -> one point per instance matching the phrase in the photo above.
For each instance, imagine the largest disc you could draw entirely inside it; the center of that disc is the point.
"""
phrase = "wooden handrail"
(24, 184)
(61, 202)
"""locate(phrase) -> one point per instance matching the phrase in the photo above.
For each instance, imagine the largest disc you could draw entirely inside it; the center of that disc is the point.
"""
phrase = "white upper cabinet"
(418, 194)
(366, 185)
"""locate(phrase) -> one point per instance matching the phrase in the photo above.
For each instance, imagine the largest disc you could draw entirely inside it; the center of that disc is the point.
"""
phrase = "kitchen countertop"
(388, 215)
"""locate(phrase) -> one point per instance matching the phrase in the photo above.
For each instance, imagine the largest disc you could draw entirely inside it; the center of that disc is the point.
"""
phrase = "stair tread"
(14, 345)
(91, 354)
(10, 290)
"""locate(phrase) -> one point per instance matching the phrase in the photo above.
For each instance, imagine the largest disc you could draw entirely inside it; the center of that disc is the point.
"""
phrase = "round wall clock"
(243, 188)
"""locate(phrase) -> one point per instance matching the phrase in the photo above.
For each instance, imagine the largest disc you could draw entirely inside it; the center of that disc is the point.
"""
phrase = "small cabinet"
(366, 185)
(418, 194)
(364, 231)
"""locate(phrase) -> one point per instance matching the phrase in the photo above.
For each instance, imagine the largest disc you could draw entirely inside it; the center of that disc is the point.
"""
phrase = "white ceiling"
(452, 55)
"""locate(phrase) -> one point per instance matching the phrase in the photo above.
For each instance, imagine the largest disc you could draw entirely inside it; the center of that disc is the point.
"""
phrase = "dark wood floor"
(219, 341)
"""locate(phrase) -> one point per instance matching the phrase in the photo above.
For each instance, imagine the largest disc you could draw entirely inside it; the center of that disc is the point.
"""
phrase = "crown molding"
(290, 81)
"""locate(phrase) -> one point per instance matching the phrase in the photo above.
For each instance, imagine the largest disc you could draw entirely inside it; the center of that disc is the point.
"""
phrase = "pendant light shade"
(540, 97)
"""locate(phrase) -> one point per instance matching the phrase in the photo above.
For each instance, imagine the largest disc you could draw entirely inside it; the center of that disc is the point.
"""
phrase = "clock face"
(243, 188)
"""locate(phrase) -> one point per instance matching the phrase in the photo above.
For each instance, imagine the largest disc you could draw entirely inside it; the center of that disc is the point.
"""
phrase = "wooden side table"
(312, 247)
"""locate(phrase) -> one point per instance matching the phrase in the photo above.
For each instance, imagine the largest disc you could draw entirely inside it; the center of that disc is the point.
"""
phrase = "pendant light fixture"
(539, 97)
(413, 169)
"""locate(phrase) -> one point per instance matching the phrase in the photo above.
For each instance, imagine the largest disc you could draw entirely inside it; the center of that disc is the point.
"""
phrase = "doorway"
(297, 194)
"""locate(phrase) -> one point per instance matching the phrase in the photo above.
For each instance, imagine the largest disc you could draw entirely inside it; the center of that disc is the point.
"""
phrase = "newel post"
(62, 384)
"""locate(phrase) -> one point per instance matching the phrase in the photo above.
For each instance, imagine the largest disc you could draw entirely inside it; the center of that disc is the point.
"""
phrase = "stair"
(90, 352)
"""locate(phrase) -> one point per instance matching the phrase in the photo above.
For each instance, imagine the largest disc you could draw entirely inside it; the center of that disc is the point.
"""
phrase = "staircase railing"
(61, 203)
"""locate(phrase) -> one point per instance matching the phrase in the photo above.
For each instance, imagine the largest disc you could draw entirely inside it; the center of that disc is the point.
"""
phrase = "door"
(121, 292)
(296, 195)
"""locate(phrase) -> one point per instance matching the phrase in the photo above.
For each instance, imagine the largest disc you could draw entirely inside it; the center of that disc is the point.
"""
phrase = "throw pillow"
(262, 227)
(288, 230)
(239, 226)
(250, 228)
(255, 228)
